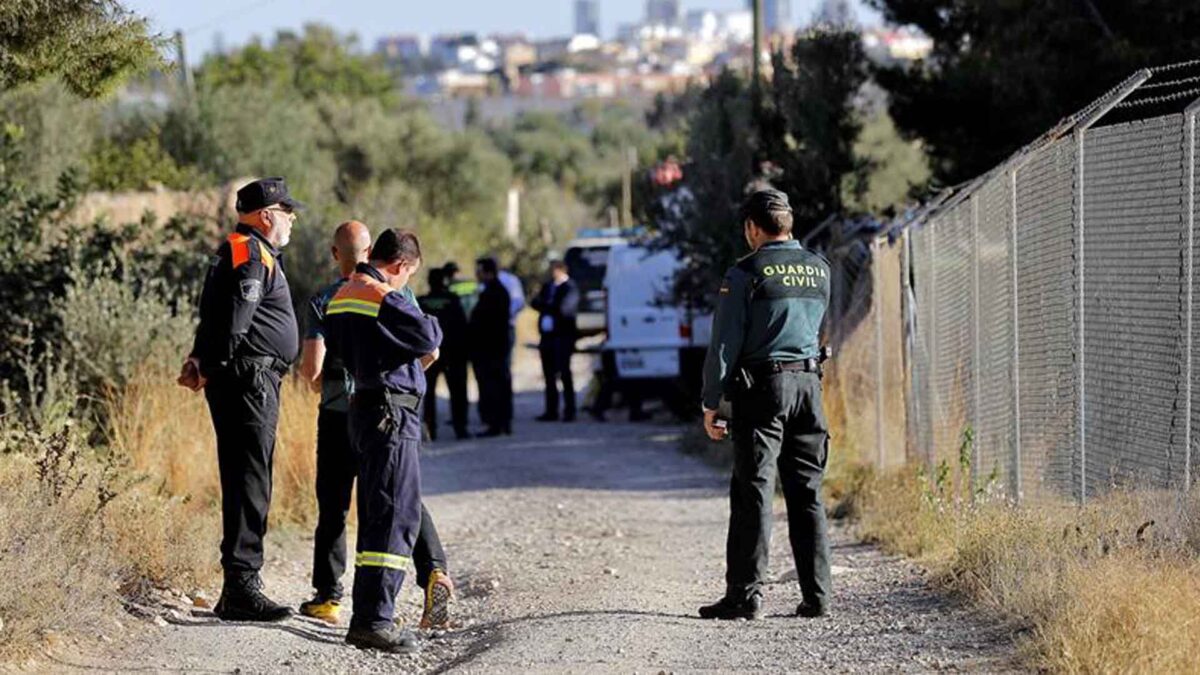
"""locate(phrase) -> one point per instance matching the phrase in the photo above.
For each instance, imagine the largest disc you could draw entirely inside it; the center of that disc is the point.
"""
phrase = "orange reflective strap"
(239, 249)
(267, 258)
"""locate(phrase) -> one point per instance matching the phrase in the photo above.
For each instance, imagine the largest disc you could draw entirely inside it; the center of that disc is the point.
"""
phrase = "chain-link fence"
(1050, 304)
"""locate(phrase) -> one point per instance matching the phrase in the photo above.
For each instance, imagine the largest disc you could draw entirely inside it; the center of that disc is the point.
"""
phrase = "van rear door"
(643, 333)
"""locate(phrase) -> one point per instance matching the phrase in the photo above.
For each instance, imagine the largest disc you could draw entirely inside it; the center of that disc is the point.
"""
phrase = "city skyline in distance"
(231, 23)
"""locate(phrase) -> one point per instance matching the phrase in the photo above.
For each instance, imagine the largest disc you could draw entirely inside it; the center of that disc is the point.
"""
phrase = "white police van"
(650, 341)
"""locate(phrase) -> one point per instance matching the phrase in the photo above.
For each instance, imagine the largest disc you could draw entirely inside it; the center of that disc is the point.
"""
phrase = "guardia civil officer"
(384, 341)
(246, 340)
(765, 359)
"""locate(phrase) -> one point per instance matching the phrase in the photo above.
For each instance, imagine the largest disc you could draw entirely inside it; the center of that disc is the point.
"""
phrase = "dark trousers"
(244, 402)
(556, 354)
(494, 378)
(337, 468)
(781, 422)
(386, 438)
(455, 372)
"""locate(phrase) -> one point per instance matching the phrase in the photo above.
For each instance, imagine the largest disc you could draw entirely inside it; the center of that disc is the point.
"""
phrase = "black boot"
(242, 599)
(751, 608)
(388, 639)
(811, 611)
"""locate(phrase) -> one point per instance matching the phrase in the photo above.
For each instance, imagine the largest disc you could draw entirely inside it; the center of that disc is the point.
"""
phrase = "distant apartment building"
(465, 52)
(662, 12)
(557, 49)
(568, 83)
(399, 47)
(587, 17)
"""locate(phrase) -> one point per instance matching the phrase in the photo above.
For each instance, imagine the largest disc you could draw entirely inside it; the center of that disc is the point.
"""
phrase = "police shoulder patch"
(251, 289)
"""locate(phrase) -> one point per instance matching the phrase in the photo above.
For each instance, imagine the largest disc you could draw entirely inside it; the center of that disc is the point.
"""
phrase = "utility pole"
(759, 37)
(185, 72)
(627, 186)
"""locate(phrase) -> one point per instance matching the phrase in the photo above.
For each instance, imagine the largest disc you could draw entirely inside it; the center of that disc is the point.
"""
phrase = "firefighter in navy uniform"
(765, 359)
(337, 463)
(384, 342)
(246, 340)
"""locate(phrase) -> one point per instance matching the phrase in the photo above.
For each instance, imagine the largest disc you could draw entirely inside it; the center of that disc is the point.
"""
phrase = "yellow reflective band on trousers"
(376, 559)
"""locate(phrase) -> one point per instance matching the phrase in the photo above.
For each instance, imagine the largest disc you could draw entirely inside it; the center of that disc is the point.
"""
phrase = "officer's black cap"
(759, 206)
(450, 268)
(263, 193)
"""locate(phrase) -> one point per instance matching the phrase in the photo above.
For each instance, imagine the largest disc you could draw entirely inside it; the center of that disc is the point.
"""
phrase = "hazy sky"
(237, 20)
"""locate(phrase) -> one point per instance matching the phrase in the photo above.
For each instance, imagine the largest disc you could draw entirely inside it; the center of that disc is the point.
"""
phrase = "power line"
(229, 15)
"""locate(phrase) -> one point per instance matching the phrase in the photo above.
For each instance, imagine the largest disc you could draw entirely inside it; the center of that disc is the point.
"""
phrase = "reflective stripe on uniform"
(377, 559)
(352, 306)
(239, 249)
(267, 258)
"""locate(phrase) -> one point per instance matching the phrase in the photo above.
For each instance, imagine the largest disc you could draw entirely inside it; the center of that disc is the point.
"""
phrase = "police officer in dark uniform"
(490, 349)
(384, 342)
(765, 359)
(444, 304)
(246, 340)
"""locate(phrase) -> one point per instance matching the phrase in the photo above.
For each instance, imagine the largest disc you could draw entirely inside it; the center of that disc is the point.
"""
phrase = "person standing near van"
(488, 328)
(557, 305)
(765, 359)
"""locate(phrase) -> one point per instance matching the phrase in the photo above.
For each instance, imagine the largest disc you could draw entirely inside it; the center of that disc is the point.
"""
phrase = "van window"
(586, 265)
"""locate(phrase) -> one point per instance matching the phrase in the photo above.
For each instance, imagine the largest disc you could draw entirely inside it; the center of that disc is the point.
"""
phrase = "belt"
(410, 402)
(772, 367)
(269, 362)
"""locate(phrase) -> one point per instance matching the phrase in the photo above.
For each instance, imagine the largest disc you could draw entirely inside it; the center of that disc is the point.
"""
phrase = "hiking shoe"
(438, 592)
(323, 607)
(391, 639)
(809, 611)
(247, 602)
(727, 609)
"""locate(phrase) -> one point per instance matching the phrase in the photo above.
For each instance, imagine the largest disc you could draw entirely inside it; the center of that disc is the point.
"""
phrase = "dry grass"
(1111, 587)
(166, 433)
(85, 530)
(76, 540)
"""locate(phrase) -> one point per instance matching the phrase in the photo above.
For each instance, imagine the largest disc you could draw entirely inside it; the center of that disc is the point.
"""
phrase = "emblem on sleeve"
(251, 289)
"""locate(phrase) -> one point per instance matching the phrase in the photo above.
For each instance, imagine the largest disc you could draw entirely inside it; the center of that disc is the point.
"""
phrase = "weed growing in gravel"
(1109, 587)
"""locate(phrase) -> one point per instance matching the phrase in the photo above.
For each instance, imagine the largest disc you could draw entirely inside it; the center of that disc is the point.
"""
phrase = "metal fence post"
(933, 348)
(977, 355)
(877, 307)
(1016, 344)
(1189, 190)
(1081, 387)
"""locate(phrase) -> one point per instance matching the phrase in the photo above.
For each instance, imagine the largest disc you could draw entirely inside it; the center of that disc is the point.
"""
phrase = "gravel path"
(588, 548)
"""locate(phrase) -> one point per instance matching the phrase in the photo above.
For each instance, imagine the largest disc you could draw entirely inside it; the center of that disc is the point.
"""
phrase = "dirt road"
(588, 548)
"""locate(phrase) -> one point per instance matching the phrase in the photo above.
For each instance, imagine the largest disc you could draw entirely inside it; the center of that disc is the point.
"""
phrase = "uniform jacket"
(245, 307)
(447, 307)
(561, 304)
(489, 322)
(770, 308)
(379, 334)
